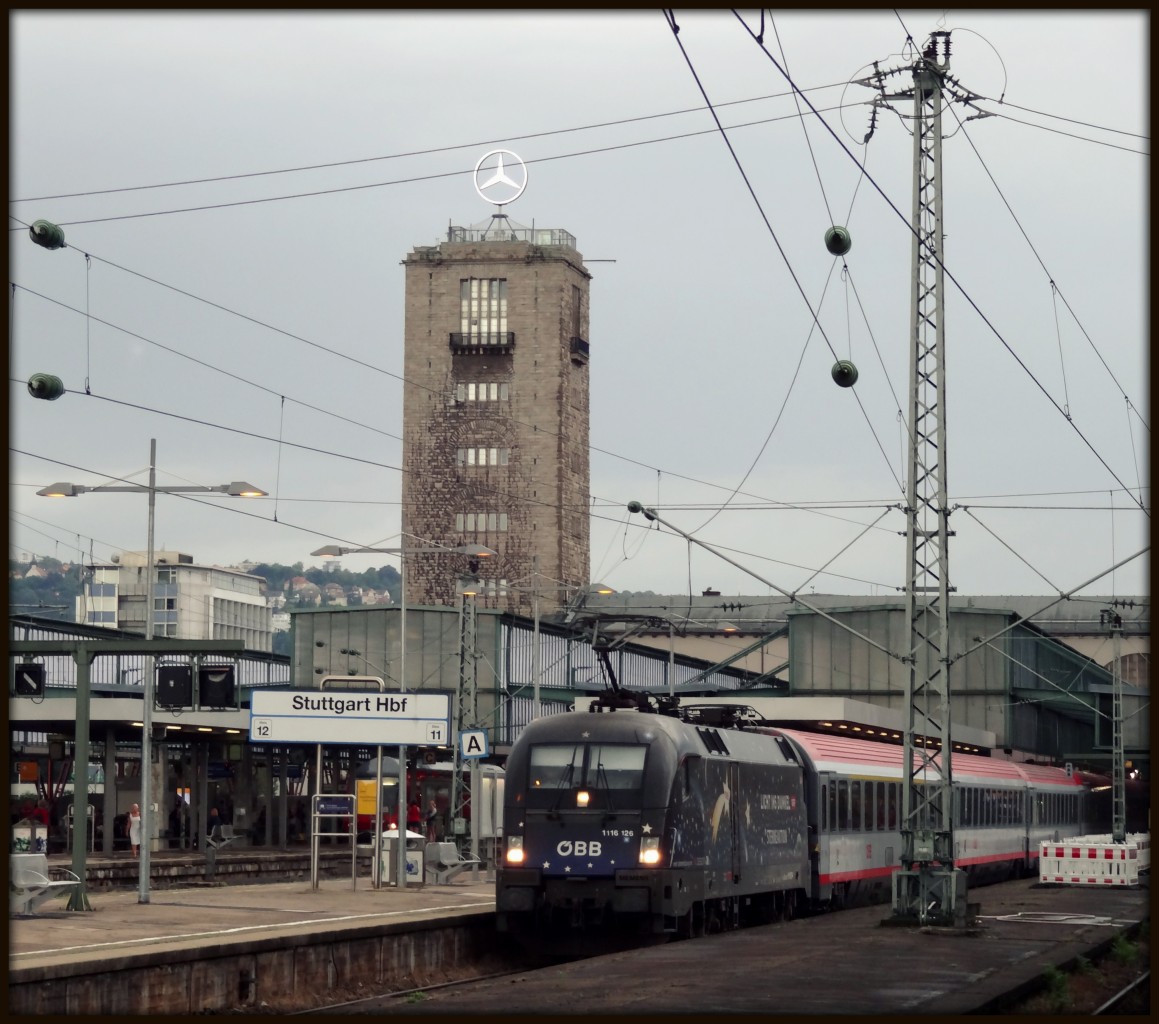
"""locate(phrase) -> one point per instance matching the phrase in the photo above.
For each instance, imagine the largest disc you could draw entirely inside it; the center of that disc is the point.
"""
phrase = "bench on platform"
(222, 836)
(31, 883)
(443, 863)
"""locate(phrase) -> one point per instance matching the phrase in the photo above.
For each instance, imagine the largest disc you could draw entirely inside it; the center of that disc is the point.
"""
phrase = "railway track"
(1134, 998)
(401, 997)
(1115, 983)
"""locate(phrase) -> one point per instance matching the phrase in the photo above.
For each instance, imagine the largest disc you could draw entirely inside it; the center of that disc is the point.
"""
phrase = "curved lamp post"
(581, 595)
(237, 489)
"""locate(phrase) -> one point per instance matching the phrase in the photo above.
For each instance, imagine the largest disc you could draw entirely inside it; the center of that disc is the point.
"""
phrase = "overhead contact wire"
(957, 284)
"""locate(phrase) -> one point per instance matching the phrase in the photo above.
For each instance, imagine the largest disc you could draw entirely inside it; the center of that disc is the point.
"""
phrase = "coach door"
(734, 812)
(821, 853)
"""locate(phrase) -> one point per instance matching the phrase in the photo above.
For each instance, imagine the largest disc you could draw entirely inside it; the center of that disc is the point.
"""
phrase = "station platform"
(194, 917)
(185, 950)
(235, 863)
(216, 947)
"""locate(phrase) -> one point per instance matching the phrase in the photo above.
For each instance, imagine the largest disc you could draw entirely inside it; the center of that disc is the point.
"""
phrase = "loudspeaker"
(174, 686)
(216, 687)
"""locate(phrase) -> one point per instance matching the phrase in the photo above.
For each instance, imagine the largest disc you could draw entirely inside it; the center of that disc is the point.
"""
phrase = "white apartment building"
(190, 602)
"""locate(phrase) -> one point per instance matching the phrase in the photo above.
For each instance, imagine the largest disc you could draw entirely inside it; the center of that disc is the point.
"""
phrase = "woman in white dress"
(135, 828)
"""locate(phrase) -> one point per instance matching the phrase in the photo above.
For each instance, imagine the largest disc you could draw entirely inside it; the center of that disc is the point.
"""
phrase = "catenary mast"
(928, 888)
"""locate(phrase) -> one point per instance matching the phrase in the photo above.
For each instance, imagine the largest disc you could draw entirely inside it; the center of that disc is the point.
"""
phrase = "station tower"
(495, 406)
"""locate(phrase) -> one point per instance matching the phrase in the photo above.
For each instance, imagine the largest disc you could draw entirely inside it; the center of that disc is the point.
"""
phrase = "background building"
(495, 413)
(191, 602)
(1036, 672)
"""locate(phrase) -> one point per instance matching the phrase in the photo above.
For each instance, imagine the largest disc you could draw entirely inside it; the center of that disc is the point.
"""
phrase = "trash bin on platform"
(29, 836)
(415, 855)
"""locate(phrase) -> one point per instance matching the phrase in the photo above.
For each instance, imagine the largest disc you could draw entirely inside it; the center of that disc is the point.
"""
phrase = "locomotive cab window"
(603, 769)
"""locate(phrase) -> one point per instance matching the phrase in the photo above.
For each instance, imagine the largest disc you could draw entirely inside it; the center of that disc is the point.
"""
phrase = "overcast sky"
(253, 324)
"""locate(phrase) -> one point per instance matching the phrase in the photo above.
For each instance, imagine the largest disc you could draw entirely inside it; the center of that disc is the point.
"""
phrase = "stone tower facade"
(495, 414)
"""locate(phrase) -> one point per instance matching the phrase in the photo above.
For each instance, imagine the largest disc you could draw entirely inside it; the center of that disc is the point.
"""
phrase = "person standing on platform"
(135, 829)
(414, 817)
(432, 822)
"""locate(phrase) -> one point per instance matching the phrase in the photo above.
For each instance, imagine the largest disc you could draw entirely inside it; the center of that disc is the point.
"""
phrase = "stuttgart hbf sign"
(354, 718)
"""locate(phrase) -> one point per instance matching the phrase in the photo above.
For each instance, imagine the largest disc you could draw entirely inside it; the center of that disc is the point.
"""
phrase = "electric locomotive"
(645, 820)
(627, 828)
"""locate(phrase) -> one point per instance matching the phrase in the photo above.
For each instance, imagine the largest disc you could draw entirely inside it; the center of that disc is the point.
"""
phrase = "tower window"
(482, 456)
(482, 391)
(483, 309)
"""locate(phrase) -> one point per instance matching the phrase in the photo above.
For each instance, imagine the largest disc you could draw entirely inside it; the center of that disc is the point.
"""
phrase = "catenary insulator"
(838, 240)
(44, 232)
(46, 386)
(844, 373)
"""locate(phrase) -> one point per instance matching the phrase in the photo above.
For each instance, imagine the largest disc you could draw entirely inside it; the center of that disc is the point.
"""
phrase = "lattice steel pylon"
(466, 716)
(1118, 751)
(928, 888)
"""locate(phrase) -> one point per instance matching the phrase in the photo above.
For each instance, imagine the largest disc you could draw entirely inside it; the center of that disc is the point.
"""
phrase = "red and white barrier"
(1095, 860)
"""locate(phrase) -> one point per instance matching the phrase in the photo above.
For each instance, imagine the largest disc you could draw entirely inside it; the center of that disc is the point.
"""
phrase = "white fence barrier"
(1095, 860)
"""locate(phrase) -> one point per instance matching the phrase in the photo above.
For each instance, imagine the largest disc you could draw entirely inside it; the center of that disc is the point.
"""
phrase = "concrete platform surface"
(216, 915)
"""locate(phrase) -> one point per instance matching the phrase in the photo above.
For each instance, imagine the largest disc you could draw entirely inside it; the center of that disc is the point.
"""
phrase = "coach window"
(892, 806)
(843, 805)
(855, 805)
(832, 786)
(824, 806)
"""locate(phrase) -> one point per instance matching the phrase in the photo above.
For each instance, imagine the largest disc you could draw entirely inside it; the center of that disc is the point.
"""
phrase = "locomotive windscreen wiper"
(565, 782)
(603, 784)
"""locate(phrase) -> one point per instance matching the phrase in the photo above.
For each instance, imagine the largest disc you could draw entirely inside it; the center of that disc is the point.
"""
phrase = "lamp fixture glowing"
(236, 489)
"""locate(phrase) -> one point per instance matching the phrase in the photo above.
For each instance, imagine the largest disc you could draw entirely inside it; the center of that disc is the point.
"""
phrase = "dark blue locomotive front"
(625, 827)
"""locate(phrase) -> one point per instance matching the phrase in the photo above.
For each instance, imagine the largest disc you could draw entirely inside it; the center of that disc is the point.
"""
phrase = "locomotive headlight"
(515, 849)
(650, 850)
(582, 798)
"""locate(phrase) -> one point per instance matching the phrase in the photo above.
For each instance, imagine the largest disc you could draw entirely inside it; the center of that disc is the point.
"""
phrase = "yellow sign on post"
(366, 797)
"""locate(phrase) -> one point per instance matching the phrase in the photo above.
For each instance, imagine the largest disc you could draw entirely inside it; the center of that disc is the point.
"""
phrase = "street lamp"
(335, 551)
(239, 489)
(595, 588)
